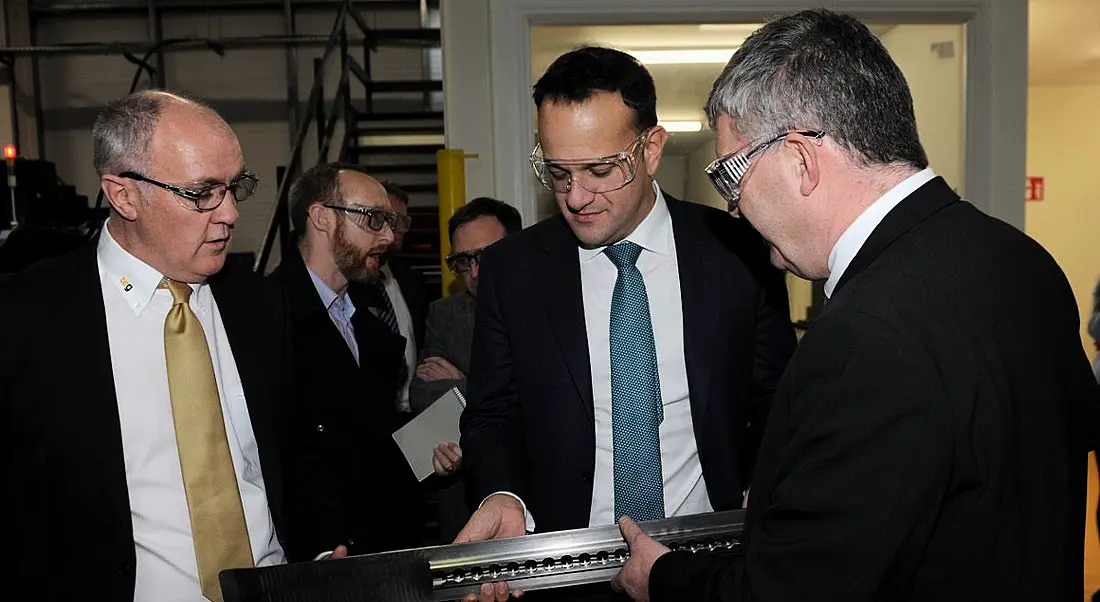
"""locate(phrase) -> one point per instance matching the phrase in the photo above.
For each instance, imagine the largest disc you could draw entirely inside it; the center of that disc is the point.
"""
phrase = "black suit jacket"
(928, 441)
(352, 485)
(65, 499)
(528, 427)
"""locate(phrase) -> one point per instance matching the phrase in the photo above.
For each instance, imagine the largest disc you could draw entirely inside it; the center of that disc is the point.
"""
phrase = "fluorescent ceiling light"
(739, 27)
(682, 126)
(684, 56)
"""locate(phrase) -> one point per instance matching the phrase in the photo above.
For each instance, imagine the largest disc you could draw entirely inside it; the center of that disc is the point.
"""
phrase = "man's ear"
(809, 158)
(123, 195)
(321, 218)
(654, 149)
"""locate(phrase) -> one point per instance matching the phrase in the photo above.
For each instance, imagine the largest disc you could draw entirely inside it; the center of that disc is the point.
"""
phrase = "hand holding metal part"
(527, 563)
(644, 552)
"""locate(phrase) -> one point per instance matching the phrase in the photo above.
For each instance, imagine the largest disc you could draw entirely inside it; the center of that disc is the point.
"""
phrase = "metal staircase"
(397, 145)
(393, 126)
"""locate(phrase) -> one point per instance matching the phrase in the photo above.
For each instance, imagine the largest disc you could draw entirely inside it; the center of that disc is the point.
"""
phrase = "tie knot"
(624, 254)
(181, 291)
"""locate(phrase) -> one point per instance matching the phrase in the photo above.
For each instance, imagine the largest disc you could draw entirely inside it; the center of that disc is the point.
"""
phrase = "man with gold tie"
(140, 384)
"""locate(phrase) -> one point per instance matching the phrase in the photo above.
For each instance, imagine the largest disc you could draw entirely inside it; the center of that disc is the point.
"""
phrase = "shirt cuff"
(323, 555)
(528, 520)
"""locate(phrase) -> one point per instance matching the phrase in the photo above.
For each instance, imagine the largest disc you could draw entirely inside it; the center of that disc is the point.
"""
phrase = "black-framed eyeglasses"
(460, 263)
(726, 172)
(210, 196)
(374, 219)
(597, 175)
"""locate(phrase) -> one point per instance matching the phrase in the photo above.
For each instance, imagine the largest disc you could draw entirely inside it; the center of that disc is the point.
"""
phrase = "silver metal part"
(566, 558)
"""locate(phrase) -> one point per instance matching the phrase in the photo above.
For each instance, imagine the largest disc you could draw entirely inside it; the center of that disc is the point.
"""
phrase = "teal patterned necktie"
(636, 411)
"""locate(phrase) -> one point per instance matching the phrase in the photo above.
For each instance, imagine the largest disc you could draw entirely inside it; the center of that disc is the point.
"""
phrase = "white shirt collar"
(135, 279)
(652, 234)
(853, 239)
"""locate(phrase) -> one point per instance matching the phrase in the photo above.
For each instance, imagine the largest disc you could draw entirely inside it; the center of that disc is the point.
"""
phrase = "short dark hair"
(484, 206)
(823, 71)
(396, 192)
(319, 184)
(579, 74)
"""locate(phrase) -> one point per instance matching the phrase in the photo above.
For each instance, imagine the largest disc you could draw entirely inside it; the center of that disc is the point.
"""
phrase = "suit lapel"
(701, 306)
(381, 351)
(560, 266)
(930, 198)
(81, 321)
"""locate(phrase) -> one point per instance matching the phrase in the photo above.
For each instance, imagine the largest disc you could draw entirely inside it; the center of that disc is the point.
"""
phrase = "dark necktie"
(389, 316)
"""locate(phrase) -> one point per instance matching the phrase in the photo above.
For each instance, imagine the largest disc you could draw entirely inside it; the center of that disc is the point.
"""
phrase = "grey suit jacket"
(449, 334)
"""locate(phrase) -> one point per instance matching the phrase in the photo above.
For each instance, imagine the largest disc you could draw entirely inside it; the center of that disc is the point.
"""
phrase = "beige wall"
(699, 188)
(672, 174)
(937, 85)
(1062, 124)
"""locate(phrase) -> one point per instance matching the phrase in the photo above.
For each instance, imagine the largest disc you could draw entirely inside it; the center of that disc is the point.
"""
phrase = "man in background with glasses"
(929, 440)
(445, 357)
(450, 330)
(140, 384)
(626, 351)
(365, 496)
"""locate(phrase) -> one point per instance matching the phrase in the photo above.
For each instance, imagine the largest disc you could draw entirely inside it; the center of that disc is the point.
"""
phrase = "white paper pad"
(436, 424)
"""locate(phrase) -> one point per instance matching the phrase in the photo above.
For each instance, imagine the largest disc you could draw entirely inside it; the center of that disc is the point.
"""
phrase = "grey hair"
(124, 129)
(823, 71)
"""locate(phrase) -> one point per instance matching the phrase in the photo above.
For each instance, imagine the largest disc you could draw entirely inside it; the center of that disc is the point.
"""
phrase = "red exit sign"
(1036, 189)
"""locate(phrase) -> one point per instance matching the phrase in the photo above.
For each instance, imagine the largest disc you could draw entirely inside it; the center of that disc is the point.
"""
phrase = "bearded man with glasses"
(625, 351)
(348, 362)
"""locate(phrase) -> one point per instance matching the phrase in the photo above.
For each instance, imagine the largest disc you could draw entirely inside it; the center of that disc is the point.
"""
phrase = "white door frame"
(492, 113)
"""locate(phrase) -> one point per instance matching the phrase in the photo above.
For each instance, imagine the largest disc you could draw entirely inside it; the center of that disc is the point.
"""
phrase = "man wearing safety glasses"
(626, 351)
(929, 440)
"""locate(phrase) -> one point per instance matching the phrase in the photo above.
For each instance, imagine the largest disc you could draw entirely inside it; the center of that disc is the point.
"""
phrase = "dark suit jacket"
(65, 502)
(528, 426)
(352, 483)
(928, 441)
(449, 335)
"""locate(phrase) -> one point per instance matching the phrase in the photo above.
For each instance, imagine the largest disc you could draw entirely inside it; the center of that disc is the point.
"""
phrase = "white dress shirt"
(684, 487)
(685, 490)
(405, 325)
(136, 310)
(849, 243)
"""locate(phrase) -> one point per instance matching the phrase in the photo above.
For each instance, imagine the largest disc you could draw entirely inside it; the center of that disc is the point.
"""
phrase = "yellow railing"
(451, 164)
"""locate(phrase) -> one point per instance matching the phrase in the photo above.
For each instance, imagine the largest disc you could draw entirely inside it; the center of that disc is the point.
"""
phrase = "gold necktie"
(213, 497)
